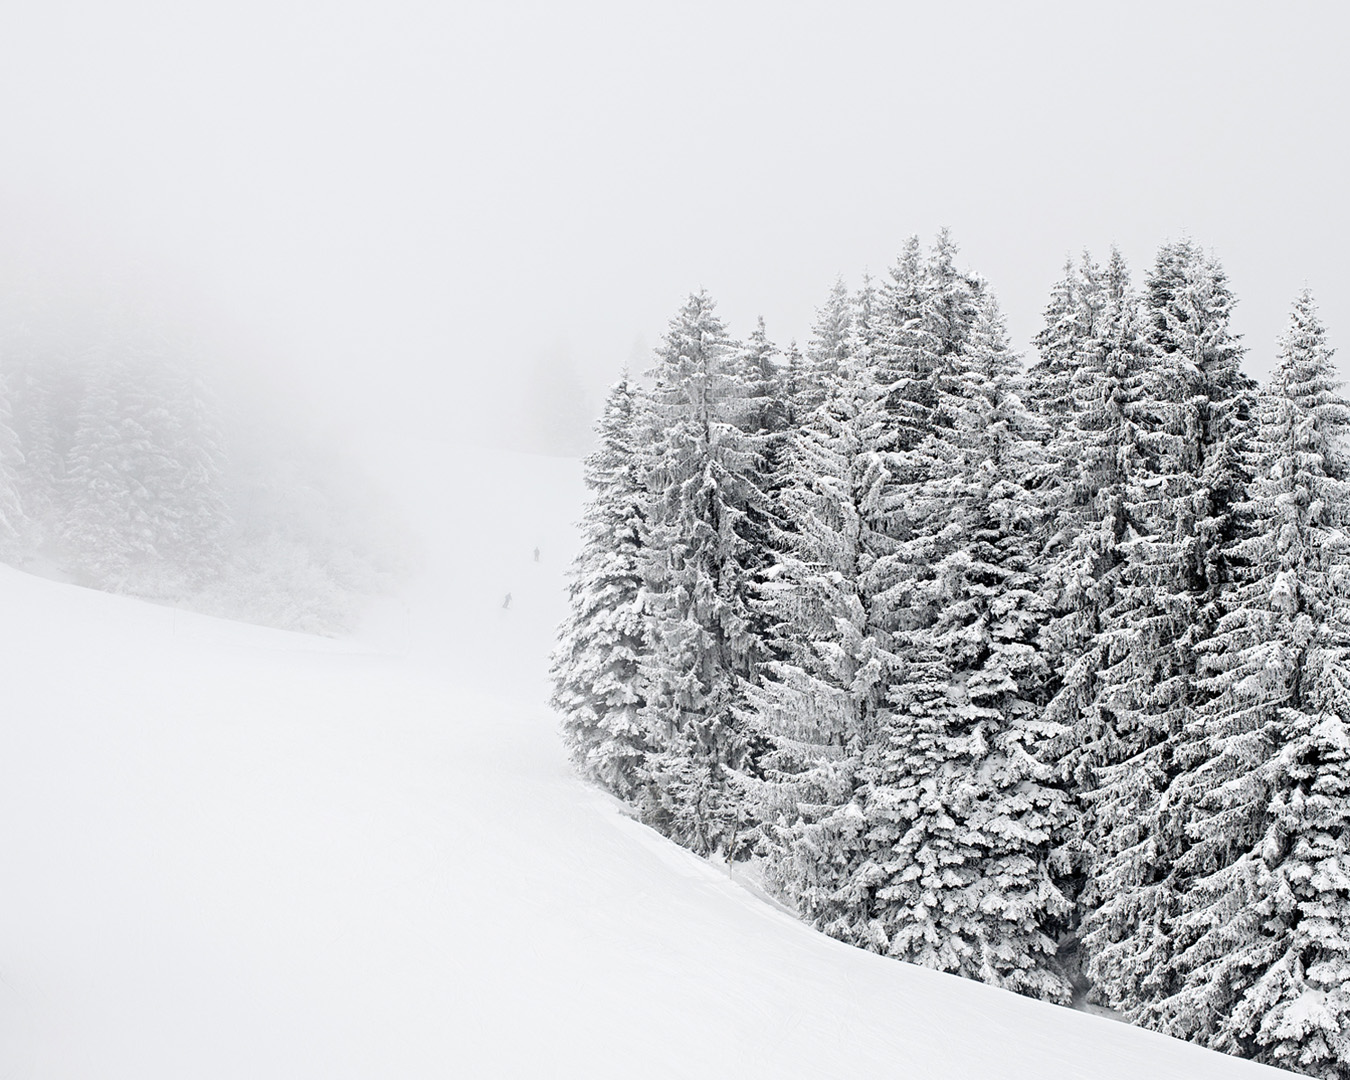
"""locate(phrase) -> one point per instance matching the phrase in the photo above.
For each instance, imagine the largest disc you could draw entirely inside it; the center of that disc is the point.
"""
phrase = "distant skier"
(536, 554)
(507, 602)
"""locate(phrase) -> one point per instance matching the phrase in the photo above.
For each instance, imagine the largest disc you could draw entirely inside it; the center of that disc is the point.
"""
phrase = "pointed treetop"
(828, 346)
(908, 268)
(1190, 305)
(945, 250)
(1305, 372)
(693, 341)
(988, 347)
(1117, 281)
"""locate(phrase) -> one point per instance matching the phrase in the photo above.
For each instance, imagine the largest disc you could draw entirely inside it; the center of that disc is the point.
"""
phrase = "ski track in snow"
(236, 852)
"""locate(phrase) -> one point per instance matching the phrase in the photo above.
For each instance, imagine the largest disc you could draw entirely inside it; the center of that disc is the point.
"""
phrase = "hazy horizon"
(410, 213)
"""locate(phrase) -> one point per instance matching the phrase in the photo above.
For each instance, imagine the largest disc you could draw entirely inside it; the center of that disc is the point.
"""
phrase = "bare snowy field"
(236, 852)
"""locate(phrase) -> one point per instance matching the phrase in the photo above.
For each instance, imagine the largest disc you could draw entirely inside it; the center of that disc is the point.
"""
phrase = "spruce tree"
(862, 343)
(815, 704)
(13, 519)
(764, 408)
(32, 383)
(1059, 346)
(1265, 924)
(602, 645)
(1094, 448)
(828, 349)
(1177, 515)
(964, 790)
(704, 475)
(145, 510)
(106, 530)
(795, 382)
(193, 464)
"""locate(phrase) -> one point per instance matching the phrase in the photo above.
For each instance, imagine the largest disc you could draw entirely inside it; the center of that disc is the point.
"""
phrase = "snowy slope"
(234, 852)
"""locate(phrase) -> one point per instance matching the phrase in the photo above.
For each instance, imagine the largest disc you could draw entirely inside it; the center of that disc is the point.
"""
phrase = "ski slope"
(236, 852)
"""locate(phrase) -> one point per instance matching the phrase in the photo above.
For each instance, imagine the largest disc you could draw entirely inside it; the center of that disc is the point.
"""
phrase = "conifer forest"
(1037, 674)
(123, 467)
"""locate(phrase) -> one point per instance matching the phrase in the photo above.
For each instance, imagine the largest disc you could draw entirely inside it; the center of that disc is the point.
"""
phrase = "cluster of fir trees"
(116, 470)
(1037, 677)
(113, 465)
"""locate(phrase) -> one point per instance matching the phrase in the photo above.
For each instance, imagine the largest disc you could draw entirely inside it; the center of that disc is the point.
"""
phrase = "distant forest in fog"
(126, 465)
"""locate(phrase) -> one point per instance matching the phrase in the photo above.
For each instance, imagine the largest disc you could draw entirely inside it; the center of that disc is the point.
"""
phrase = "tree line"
(1037, 675)
(121, 468)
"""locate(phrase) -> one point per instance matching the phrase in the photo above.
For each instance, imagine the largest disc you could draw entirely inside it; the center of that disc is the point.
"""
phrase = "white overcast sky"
(408, 207)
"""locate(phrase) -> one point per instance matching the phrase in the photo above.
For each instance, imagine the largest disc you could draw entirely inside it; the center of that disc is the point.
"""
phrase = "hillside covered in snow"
(231, 851)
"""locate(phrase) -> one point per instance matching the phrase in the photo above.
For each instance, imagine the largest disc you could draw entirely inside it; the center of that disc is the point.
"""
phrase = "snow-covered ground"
(235, 852)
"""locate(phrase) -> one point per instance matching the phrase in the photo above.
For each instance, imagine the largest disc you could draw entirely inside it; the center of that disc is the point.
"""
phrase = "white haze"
(412, 214)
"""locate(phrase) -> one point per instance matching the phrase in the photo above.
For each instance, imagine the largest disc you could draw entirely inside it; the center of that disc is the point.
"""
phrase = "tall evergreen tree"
(764, 406)
(823, 687)
(795, 381)
(963, 793)
(602, 644)
(1265, 924)
(1095, 449)
(1177, 510)
(1094, 385)
(32, 385)
(106, 531)
(811, 707)
(13, 519)
(144, 504)
(704, 474)
(1059, 346)
(191, 476)
(828, 349)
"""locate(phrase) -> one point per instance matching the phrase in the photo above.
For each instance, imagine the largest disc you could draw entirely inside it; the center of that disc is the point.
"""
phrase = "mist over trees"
(124, 467)
(1037, 675)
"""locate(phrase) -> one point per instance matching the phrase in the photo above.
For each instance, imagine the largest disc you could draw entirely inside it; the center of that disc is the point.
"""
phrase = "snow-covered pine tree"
(765, 413)
(1066, 390)
(894, 433)
(794, 380)
(48, 387)
(704, 475)
(819, 690)
(921, 320)
(13, 519)
(1177, 512)
(962, 795)
(899, 520)
(1020, 808)
(862, 343)
(602, 643)
(33, 383)
(823, 688)
(1264, 933)
(764, 406)
(1094, 386)
(761, 408)
(144, 507)
(105, 530)
(1190, 305)
(902, 353)
(1059, 346)
(195, 516)
(828, 348)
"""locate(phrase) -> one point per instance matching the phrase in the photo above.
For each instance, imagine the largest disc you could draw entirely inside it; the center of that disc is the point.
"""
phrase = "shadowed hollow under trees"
(1035, 676)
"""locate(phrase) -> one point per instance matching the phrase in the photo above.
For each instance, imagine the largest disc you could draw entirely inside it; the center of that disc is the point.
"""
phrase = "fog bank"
(409, 214)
